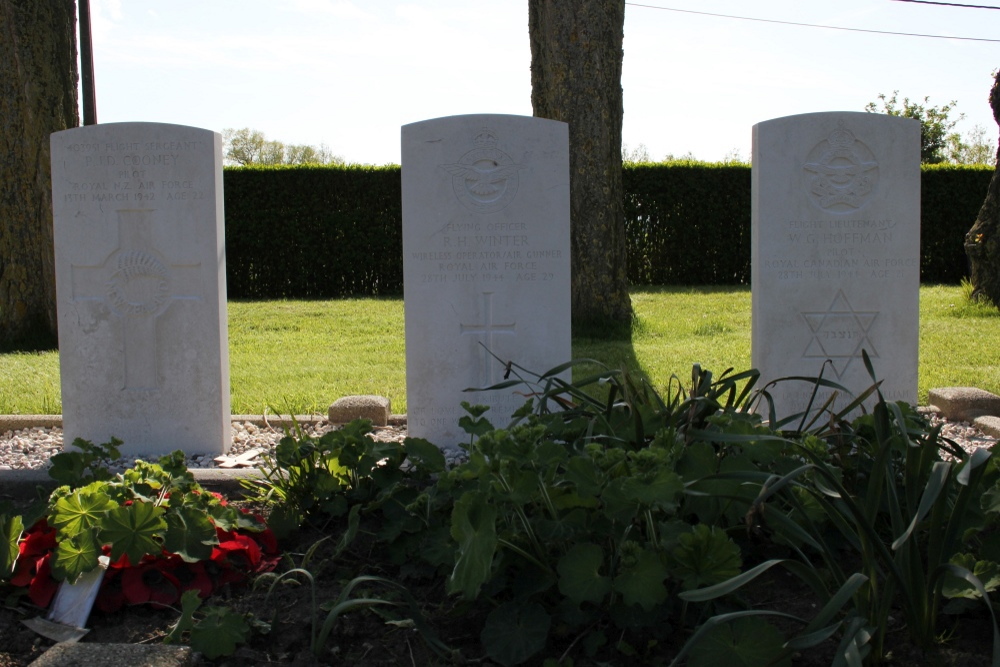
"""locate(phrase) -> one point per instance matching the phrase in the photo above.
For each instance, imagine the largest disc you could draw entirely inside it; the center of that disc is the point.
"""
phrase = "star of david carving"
(839, 333)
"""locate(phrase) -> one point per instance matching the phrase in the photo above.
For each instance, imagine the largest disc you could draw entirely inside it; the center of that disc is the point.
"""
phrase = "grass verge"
(299, 356)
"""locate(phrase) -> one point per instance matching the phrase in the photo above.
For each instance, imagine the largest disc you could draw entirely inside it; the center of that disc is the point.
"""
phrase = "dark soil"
(367, 638)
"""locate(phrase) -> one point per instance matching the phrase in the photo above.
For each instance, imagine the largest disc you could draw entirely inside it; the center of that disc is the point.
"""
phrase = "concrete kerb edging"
(64, 654)
(25, 484)
(19, 422)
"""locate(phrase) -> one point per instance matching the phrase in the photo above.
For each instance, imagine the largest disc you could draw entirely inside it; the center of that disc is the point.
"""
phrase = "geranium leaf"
(133, 530)
(986, 571)
(515, 631)
(190, 601)
(705, 556)
(473, 526)
(190, 534)
(617, 503)
(219, 632)
(10, 532)
(642, 584)
(584, 473)
(745, 642)
(425, 454)
(80, 511)
(74, 556)
(579, 574)
(658, 489)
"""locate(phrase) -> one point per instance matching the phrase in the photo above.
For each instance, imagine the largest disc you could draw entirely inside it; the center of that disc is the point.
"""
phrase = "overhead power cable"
(950, 4)
(812, 25)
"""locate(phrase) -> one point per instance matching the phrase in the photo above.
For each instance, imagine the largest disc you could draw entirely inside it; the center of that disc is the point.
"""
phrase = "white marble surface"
(486, 262)
(141, 286)
(836, 253)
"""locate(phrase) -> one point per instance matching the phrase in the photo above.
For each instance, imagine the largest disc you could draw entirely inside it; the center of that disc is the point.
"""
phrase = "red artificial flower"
(267, 541)
(120, 564)
(151, 581)
(37, 543)
(237, 550)
(38, 539)
(234, 556)
(158, 581)
(43, 586)
(191, 576)
(111, 597)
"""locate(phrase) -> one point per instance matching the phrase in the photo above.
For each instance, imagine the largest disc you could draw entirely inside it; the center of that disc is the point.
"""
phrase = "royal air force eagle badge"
(485, 179)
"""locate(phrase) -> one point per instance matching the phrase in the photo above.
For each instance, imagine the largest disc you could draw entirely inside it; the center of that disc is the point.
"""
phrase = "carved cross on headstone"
(138, 284)
(489, 330)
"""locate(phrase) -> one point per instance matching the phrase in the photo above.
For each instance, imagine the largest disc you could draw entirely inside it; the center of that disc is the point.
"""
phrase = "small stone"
(347, 409)
(964, 403)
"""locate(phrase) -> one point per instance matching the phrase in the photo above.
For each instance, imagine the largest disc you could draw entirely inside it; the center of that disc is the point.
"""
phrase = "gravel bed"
(30, 449)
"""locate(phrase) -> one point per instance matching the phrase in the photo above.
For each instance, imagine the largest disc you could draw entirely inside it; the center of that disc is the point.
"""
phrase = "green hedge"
(313, 232)
(950, 198)
(325, 232)
(687, 223)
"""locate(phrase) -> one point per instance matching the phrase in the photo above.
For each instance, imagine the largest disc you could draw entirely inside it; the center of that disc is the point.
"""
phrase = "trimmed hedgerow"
(334, 231)
(313, 232)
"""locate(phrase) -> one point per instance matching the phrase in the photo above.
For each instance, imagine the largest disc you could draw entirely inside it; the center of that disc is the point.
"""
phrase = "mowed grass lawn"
(299, 356)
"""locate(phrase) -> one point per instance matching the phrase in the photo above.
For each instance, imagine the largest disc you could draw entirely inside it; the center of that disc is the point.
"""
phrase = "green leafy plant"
(319, 479)
(150, 508)
(86, 463)
(163, 535)
(213, 631)
(572, 516)
(881, 492)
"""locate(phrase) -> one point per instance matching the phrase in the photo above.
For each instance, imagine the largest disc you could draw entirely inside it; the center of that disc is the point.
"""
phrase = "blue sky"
(349, 73)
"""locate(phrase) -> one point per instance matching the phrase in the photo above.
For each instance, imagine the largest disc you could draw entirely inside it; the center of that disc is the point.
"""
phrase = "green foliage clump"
(606, 509)
(150, 508)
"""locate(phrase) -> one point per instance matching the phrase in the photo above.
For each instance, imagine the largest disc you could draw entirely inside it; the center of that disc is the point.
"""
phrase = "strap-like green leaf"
(728, 586)
(10, 532)
(936, 482)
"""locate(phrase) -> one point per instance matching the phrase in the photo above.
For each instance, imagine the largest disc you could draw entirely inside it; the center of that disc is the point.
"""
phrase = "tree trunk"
(982, 243)
(576, 70)
(38, 78)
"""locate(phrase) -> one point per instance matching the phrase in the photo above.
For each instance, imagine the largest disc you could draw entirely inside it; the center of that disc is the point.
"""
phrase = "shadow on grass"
(611, 345)
(671, 313)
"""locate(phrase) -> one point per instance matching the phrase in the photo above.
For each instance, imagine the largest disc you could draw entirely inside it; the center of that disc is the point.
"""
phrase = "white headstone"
(141, 286)
(486, 264)
(836, 253)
